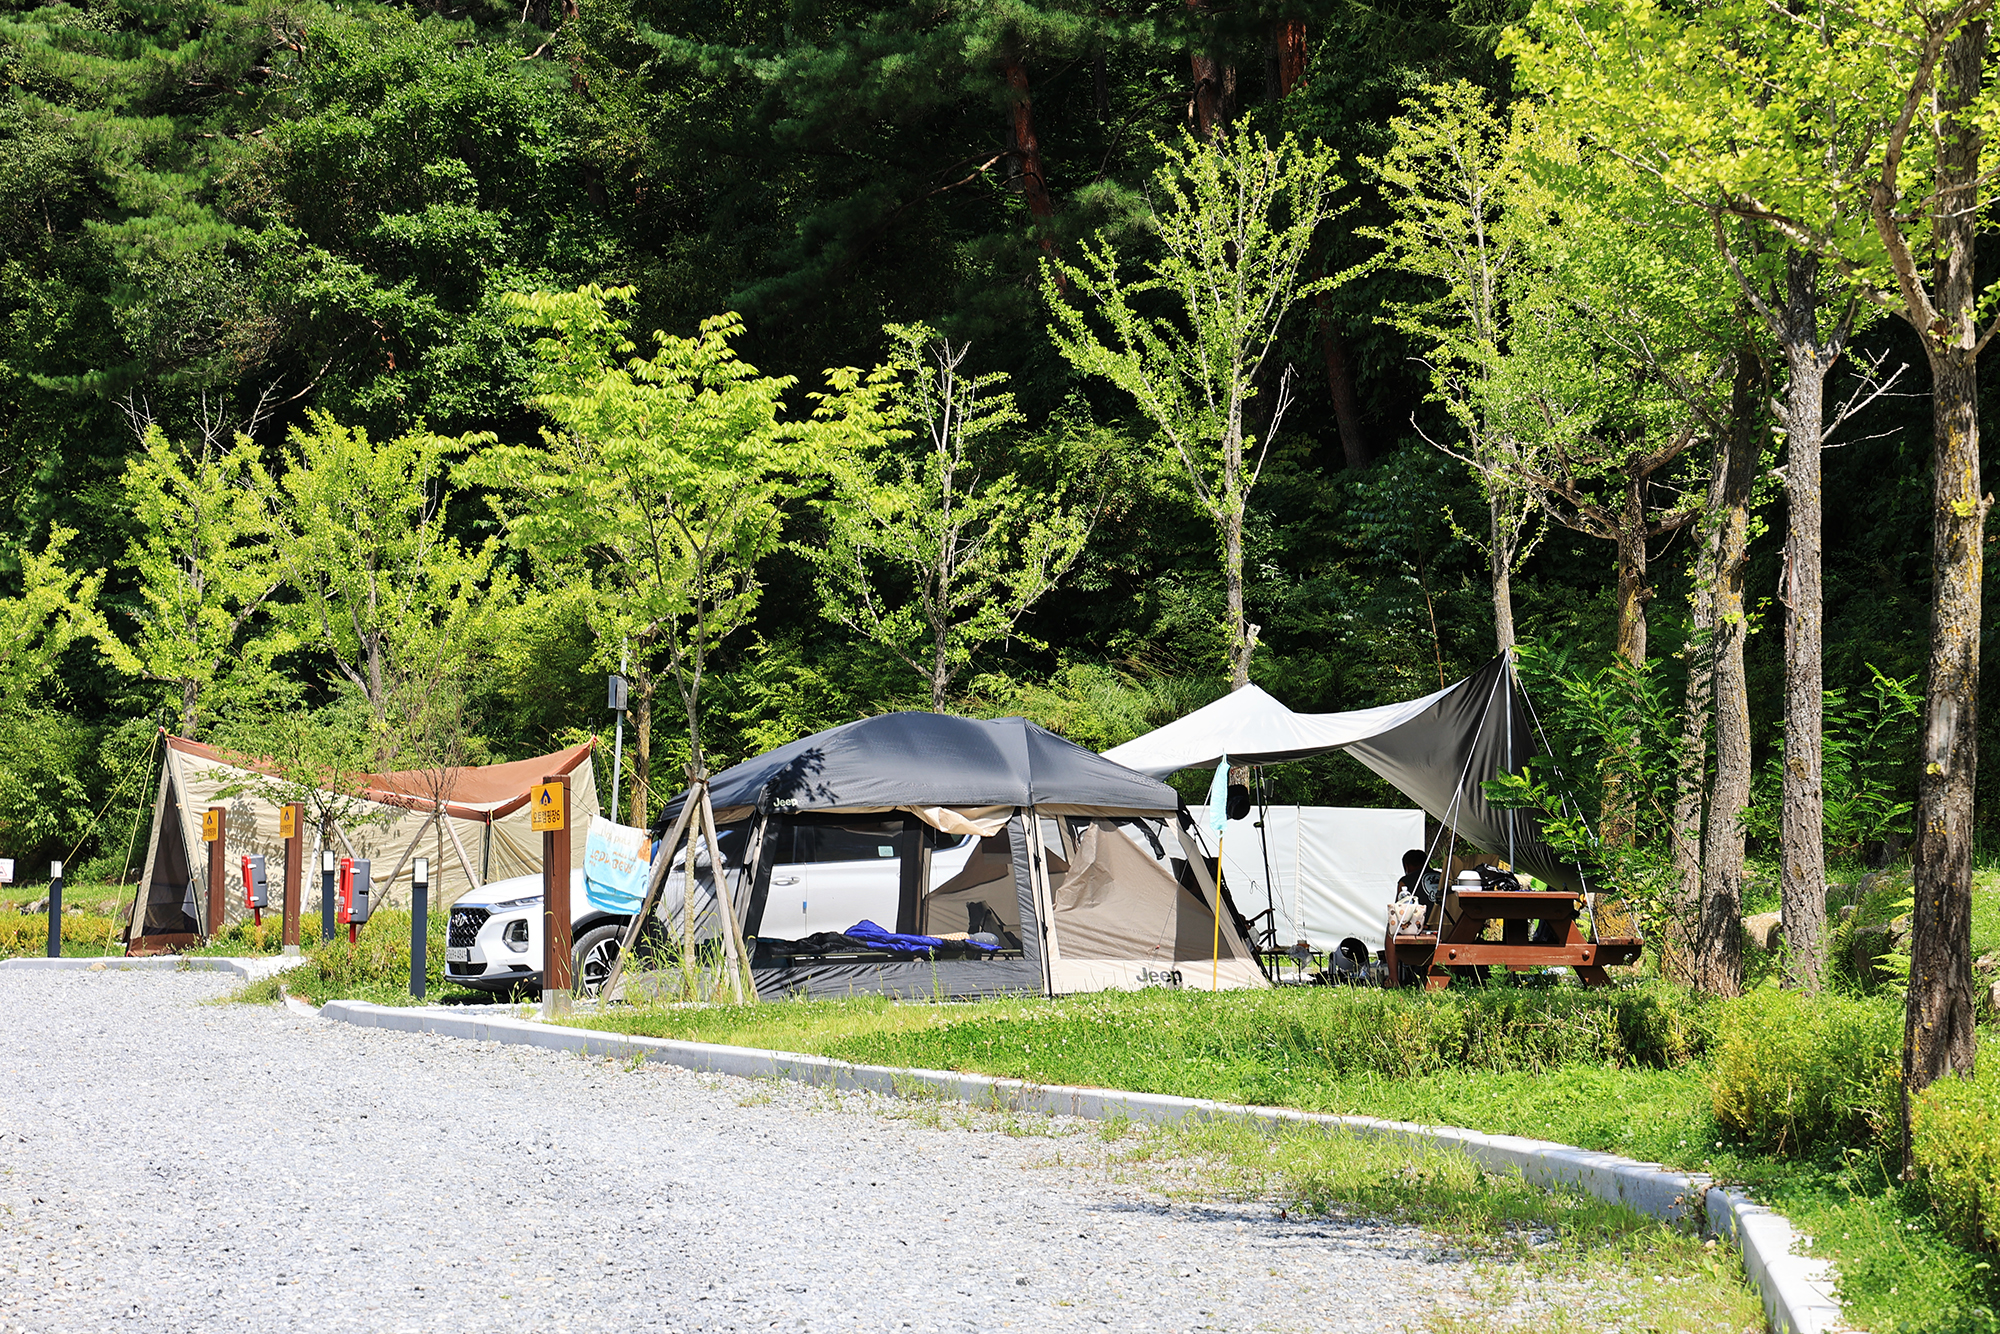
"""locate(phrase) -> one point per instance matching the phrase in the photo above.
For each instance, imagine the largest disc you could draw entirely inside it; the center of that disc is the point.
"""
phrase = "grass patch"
(375, 968)
(1638, 1273)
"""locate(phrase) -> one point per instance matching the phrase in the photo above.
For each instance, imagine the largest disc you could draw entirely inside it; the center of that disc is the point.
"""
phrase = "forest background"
(301, 225)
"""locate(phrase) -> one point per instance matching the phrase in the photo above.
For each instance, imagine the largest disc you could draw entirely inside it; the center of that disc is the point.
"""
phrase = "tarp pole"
(1215, 948)
(656, 883)
(1508, 684)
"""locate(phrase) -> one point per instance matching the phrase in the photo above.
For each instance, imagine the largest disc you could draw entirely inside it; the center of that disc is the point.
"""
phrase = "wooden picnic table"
(1464, 919)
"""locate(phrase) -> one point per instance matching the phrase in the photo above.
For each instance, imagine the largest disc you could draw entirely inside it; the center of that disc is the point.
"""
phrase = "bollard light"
(420, 884)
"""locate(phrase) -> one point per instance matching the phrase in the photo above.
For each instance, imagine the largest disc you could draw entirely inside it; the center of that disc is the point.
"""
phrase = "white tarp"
(1251, 727)
(1332, 869)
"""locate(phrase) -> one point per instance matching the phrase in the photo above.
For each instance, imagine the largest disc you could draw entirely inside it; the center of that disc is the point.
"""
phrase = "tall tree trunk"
(1288, 54)
(190, 696)
(940, 669)
(1633, 592)
(642, 754)
(1718, 946)
(1240, 643)
(1340, 385)
(1502, 566)
(1691, 769)
(1034, 183)
(1213, 102)
(1938, 1017)
(1802, 822)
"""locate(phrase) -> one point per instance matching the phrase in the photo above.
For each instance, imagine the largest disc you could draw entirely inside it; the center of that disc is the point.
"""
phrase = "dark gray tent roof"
(903, 760)
(1442, 757)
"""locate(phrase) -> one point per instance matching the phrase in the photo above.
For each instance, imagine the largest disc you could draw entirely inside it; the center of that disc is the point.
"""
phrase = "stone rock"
(1847, 910)
(1993, 1000)
(31, 909)
(1764, 930)
(1872, 943)
(1986, 963)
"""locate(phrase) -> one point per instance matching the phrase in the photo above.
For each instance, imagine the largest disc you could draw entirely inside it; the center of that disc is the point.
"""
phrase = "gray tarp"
(1441, 757)
(911, 761)
(1437, 750)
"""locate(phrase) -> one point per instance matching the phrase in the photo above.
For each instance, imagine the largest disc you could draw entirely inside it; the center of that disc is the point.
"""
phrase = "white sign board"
(1326, 872)
(6, 870)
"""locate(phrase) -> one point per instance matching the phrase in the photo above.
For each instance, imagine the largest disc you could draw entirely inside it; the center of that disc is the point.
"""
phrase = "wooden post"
(291, 821)
(214, 831)
(556, 964)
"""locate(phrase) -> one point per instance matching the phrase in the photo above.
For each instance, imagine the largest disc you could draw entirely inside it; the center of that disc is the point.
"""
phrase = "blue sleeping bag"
(923, 947)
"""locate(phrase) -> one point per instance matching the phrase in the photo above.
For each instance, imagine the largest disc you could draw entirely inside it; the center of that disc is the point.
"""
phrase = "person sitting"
(1418, 883)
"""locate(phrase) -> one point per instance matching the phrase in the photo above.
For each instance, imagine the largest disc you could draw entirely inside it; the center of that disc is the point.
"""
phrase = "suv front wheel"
(593, 957)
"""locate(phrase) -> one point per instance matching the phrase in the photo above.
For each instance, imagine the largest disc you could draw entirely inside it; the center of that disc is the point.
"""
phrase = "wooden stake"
(656, 884)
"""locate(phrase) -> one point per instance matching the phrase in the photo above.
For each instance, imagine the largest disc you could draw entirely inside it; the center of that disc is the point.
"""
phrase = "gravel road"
(170, 1165)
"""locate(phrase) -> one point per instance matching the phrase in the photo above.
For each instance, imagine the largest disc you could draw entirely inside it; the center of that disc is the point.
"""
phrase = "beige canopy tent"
(473, 822)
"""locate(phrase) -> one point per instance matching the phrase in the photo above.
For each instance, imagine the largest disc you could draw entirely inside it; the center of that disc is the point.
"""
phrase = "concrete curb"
(251, 969)
(1797, 1291)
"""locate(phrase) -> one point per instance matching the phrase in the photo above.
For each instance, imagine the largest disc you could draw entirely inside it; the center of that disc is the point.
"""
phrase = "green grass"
(375, 968)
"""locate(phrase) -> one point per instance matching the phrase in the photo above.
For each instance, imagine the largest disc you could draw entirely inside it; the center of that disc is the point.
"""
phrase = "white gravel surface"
(167, 1165)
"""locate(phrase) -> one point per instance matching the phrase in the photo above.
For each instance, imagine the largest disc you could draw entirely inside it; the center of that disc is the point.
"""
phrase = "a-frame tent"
(1084, 865)
(472, 821)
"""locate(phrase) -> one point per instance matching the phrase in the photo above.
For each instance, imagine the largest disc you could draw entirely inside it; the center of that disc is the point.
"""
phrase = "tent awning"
(1438, 750)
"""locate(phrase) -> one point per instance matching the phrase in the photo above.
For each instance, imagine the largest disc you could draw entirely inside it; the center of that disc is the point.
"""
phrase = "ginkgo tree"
(1853, 136)
(661, 480)
(378, 582)
(1193, 338)
(930, 550)
(204, 555)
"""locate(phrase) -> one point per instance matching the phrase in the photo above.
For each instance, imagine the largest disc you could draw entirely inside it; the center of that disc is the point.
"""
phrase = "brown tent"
(472, 821)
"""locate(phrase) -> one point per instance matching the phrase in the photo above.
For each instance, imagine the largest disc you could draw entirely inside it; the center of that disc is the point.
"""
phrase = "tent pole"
(734, 951)
(656, 883)
(1215, 947)
(464, 862)
(403, 861)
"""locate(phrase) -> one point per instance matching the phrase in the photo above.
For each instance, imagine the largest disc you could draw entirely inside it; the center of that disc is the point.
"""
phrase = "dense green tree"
(933, 552)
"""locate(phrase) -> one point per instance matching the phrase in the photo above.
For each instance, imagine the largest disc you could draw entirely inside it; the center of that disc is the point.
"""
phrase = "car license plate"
(457, 954)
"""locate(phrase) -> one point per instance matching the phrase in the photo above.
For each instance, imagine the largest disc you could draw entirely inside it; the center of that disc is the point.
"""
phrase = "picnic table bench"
(1453, 938)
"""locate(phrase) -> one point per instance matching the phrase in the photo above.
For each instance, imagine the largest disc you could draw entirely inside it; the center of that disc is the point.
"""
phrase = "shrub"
(26, 935)
(1794, 1072)
(1955, 1150)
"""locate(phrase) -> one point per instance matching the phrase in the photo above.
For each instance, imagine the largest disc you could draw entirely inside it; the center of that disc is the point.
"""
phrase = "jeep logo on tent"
(1158, 977)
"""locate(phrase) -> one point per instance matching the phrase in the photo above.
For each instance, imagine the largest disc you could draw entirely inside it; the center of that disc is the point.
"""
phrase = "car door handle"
(787, 880)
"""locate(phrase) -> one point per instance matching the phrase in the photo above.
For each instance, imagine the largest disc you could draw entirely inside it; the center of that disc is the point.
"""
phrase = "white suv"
(493, 938)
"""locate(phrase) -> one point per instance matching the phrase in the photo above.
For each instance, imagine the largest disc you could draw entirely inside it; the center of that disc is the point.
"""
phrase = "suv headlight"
(516, 935)
(518, 903)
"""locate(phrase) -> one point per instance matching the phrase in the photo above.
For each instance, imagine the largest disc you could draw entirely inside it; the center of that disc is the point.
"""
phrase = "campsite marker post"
(215, 832)
(55, 910)
(327, 871)
(550, 803)
(289, 819)
(420, 893)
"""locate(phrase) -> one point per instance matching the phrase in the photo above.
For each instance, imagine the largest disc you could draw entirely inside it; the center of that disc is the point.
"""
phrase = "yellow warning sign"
(546, 799)
(211, 826)
(288, 822)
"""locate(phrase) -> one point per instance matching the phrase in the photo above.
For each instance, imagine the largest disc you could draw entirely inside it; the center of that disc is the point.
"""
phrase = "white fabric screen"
(1332, 869)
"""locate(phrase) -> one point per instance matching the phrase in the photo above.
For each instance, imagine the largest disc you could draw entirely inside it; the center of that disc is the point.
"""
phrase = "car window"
(848, 841)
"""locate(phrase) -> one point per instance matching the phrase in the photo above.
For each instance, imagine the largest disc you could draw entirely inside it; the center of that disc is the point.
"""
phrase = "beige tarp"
(484, 834)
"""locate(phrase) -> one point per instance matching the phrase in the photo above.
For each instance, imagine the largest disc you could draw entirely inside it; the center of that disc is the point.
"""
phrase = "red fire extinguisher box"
(353, 891)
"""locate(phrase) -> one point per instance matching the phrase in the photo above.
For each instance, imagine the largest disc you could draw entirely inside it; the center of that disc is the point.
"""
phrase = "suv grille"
(464, 927)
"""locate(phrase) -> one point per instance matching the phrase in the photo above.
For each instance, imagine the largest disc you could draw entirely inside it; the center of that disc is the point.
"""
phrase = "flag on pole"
(1218, 799)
